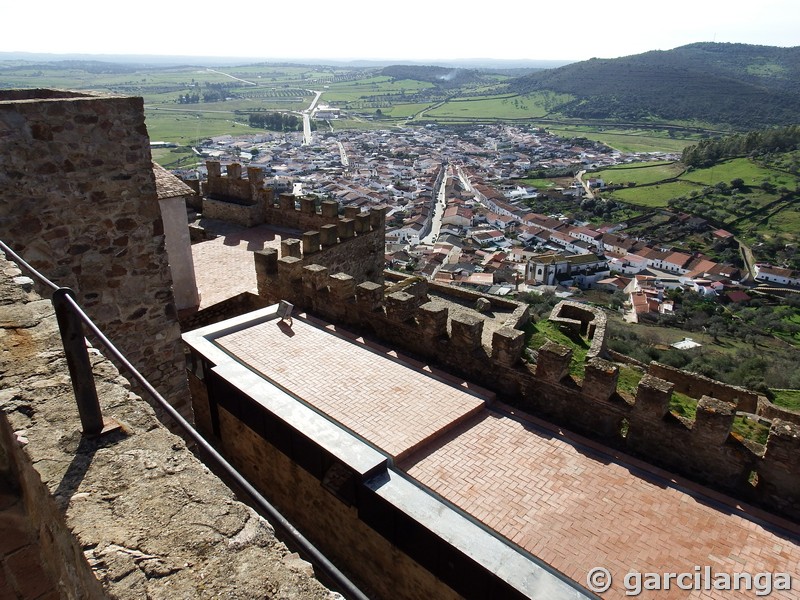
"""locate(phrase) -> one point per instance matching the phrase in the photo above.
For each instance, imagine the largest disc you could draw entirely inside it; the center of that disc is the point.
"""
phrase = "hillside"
(741, 85)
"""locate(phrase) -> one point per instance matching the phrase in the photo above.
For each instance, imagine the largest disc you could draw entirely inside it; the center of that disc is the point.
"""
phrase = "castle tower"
(78, 201)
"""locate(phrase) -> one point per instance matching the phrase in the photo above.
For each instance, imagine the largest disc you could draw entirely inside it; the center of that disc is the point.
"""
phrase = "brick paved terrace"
(224, 266)
(571, 503)
(377, 397)
(578, 507)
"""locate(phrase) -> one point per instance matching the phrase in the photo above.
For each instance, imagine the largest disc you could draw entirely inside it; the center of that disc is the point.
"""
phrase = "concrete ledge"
(523, 574)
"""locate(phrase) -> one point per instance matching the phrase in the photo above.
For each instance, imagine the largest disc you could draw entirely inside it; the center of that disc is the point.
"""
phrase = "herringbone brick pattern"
(392, 406)
(573, 506)
(577, 509)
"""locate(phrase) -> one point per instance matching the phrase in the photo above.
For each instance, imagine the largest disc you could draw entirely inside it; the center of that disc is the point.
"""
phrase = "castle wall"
(336, 527)
(695, 386)
(356, 252)
(133, 514)
(703, 449)
(78, 201)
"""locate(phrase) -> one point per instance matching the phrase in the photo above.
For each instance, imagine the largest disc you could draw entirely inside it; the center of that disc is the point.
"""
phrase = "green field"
(404, 111)
(640, 173)
(653, 196)
(627, 140)
(185, 128)
(786, 398)
(742, 168)
(374, 90)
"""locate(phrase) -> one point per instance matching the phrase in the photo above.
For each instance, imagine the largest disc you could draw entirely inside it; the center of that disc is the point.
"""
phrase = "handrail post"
(80, 368)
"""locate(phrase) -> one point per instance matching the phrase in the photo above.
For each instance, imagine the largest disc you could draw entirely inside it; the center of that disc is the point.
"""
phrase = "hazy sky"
(405, 29)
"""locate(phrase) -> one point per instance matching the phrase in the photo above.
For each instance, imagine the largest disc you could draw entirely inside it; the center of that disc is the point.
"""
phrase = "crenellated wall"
(704, 449)
(231, 198)
(350, 246)
(696, 386)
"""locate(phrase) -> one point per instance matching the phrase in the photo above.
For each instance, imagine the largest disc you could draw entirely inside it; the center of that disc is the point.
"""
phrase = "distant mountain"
(742, 85)
(140, 60)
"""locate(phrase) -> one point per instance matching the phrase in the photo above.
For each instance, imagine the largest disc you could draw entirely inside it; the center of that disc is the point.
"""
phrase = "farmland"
(205, 101)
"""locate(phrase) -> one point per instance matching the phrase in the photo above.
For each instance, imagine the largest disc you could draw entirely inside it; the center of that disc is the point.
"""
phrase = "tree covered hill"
(742, 85)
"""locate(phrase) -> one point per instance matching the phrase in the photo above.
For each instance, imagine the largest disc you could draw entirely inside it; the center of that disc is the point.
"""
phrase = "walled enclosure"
(352, 243)
(397, 540)
(704, 450)
(78, 201)
(130, 515)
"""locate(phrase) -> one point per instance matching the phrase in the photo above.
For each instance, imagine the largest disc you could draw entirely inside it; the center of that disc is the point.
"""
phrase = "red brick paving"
(572, 507)
(387, 403)
(577, 509)
(224, 266)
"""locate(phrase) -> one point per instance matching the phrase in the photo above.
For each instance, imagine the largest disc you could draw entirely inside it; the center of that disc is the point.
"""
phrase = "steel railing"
(71, 319)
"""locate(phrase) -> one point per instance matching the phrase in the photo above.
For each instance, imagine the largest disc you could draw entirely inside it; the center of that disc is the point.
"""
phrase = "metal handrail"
(71, 316)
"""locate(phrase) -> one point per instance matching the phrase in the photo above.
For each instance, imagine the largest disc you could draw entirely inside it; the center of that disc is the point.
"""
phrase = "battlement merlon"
(599, 379)
(552, 364)
(713, 420)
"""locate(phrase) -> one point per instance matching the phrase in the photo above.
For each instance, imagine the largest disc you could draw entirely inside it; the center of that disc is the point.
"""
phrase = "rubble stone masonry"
(129, 515)
(78, 201)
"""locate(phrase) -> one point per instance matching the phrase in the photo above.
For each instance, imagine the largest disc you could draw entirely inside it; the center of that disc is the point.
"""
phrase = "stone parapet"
(131, 514)
(599, 379)
(507, 345)
(695, 385)
(652, 397)
(714, 420)
(553, 362)
(466, 331)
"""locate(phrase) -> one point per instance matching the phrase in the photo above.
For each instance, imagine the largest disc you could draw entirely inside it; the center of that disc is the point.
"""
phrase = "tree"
(738, 184)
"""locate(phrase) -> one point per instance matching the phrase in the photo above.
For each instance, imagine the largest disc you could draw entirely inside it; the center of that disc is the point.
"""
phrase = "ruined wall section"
(582, 320)
(78, 201)
(704, 450)
(695, 385)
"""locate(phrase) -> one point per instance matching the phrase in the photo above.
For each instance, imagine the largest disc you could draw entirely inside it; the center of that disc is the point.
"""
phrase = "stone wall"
(704, 449)
(696, 386)
(350, 246)
(583, 320)
(78, 201)
(231, 307)
(336, 527)
(224, 193)
(132, 514)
